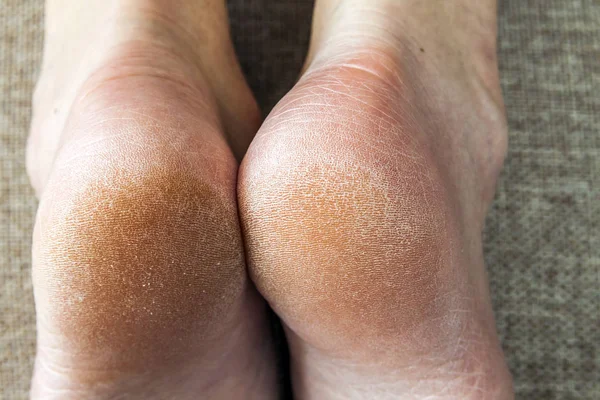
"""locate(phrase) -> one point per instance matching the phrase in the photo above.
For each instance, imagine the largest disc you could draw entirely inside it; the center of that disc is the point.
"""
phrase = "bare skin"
(363, 198)
(138, 265)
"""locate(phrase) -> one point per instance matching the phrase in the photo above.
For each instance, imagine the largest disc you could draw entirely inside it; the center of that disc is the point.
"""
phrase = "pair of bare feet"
(361, 200)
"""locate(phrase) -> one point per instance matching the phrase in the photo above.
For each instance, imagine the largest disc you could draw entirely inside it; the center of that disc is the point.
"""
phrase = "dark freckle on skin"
(422, 50)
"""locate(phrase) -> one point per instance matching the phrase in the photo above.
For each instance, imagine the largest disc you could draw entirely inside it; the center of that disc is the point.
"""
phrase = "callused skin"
(139, 275)
(138, 256)
(362, 201)
(352, 233)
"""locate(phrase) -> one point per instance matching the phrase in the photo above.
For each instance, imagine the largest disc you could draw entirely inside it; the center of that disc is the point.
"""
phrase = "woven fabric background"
(543, 234)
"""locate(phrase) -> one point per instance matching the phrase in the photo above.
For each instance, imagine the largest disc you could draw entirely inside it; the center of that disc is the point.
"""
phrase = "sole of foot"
(363, 199)
(139, 275)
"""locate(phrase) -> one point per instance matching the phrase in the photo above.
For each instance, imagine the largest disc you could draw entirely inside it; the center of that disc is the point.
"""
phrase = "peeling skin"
(156, 251)
(137, 239)
(362, 200)
(351, 234)
(141, 114)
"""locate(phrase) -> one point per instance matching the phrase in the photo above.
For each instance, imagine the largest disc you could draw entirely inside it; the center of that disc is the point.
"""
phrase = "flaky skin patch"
(138, 254)
(350, 230)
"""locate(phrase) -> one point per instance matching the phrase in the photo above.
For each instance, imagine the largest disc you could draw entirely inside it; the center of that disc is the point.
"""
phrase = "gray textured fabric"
(20, 49)
(543, 235)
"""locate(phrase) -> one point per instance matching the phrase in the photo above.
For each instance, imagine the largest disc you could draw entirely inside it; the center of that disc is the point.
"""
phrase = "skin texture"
(356, 218)
(139, 274)
(189, 44)
(362, 201)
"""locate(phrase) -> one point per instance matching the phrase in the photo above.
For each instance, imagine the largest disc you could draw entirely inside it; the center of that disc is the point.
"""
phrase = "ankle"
(407, 27)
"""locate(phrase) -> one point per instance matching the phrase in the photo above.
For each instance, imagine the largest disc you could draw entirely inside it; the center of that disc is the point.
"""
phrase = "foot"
(363, 200)
(140, 281)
